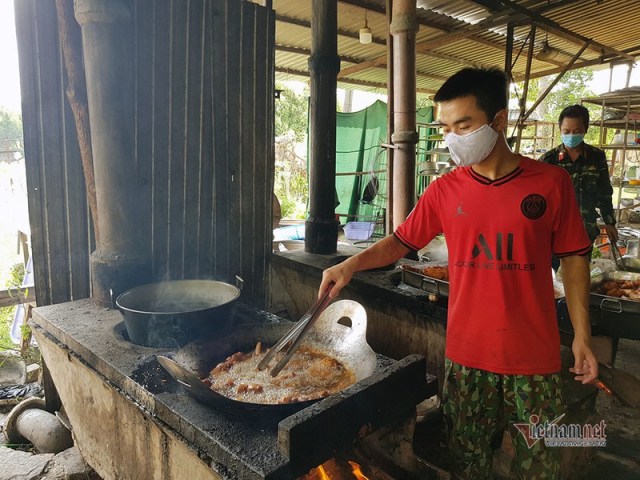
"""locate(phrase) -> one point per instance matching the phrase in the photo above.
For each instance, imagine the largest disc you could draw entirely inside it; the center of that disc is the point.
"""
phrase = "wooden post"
(389, 213)
(525, 90)
(404, 26)
(321, 228)
(508, 53)
(26, 335)
(71, 42)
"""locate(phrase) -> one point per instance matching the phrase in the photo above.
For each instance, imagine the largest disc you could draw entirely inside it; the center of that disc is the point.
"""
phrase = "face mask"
(572, 140)
(472, 148)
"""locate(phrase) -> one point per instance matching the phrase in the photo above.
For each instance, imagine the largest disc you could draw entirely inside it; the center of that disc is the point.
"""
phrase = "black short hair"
(575, 111)
(490, 86)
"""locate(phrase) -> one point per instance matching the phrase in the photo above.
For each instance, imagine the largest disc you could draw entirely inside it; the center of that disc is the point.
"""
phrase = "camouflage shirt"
(590, 175)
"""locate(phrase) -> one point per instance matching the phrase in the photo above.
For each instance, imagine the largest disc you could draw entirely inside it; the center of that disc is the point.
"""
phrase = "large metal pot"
(347, 344)
(171, 313)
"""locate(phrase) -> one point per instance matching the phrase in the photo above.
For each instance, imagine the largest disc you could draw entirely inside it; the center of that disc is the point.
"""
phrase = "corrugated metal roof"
(459, 33)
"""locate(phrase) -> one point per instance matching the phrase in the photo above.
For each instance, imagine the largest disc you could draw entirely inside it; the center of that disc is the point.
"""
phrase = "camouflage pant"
(478, 404)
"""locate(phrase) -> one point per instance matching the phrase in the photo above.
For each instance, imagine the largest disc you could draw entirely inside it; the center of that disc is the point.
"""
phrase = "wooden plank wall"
(58, 211)
(203, 144)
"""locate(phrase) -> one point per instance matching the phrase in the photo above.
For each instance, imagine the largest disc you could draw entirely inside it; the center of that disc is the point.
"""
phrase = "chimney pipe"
(120, 260)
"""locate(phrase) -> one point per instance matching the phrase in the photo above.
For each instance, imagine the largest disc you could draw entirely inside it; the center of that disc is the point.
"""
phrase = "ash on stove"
(153, 377)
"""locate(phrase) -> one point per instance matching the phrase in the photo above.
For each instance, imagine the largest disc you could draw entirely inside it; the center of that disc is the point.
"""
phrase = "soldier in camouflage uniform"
(588, 168)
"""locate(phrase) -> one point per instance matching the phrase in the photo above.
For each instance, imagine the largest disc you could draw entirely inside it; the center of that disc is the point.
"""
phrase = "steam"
(435, 251)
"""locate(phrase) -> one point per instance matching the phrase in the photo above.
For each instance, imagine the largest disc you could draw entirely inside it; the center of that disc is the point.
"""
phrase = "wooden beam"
(441, 56)
(451, 58)
(566, 68)
(426, 46)
(607, 59)
(365, 83)
(525, 90)
(563, 32)
(14, 296)
(509, 50)
(497, 19)
(422, 48)
(306, 52)
(427, 18)
(365, 65)
(381, 60)
(381, 63)
(306, 24)
(357, 62)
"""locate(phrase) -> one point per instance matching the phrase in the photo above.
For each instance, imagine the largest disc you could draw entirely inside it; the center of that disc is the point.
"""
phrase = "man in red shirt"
(503, 215)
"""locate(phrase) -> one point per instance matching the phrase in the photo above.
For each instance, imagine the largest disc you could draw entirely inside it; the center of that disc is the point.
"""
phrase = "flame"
(333, 469)
(323, 474)
(356, 471)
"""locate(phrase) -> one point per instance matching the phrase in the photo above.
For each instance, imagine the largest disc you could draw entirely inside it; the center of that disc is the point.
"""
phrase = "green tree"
(292, 111)
(570, 90)
(291, 122)
(10, 131)
(573, 87)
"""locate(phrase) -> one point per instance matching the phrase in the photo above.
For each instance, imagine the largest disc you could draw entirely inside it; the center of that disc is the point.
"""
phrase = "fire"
(356, 471)
(323, 474)
(334, 469)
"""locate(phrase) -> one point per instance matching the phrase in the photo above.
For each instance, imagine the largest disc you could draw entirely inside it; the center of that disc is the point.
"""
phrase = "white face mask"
(472, 148)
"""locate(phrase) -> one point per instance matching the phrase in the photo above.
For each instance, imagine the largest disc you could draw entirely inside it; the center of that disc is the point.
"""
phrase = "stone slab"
(69, 465)
(18, 465)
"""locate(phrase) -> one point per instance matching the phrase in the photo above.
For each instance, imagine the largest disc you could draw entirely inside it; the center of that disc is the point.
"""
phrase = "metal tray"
(411, 275)
(609, 303)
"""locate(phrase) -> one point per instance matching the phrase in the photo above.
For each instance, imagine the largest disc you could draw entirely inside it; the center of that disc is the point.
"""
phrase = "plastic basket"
(359, 230)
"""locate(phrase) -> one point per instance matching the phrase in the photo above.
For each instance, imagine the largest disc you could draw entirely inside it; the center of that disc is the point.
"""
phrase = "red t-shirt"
(500, 236)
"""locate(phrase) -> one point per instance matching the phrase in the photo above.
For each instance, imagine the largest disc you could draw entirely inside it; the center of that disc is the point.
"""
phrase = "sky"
(9, 74)
(10, 78)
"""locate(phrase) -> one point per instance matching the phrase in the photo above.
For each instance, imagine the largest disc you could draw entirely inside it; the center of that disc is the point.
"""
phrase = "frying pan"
(346, 344)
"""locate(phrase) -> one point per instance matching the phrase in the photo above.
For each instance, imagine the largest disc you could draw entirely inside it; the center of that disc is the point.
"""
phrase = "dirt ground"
(620, 459)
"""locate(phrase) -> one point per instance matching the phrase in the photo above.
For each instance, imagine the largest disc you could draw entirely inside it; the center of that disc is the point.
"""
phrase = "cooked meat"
(309, 375)
(439, 273)
(625, 289)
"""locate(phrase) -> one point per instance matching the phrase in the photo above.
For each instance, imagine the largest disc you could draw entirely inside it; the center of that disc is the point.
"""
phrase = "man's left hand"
(612, 232)
(586, 364)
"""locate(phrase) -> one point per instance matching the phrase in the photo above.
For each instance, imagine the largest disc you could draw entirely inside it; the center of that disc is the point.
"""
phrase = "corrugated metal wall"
(203, 146)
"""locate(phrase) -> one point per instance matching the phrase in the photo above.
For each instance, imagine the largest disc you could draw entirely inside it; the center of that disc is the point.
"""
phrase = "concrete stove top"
(81, 338)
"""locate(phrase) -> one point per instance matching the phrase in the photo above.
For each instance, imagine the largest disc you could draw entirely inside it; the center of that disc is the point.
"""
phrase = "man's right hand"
(381, 253)
(339, 275)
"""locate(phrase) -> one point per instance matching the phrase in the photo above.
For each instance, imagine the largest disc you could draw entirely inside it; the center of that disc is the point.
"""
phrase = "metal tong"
(295, 335)
(619, 261)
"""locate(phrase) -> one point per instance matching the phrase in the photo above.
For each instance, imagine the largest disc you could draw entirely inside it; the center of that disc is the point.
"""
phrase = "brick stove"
(132, 420)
